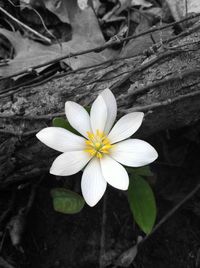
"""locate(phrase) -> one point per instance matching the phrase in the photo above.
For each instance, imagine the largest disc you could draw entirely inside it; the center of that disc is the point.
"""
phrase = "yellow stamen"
(99, 155)
(104, 151)
(107, 147)
(89, 143)
(90, 135)
(106, 141)
(90, 151)
(97, 144)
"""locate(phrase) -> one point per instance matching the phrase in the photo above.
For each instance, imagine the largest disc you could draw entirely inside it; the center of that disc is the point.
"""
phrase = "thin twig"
(32, 195)
(2, 242)
(19, 134)
(5, 264)
(29, 117)
(32, 83)
(182, 34)
(186, 8)
(134, 109)
(123, 80)
(166, 217)
(23, 175)
(6, 213)
(46, 39)
(172, 211)
(48, 117)
(167, 102)
(146, 65)
(23, 3)
(103, 232)
(128, 29)
(98, 48)
(179, 77)
(109, 14)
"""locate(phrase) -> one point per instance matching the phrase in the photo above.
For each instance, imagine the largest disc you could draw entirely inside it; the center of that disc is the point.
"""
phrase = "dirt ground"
(56, 240)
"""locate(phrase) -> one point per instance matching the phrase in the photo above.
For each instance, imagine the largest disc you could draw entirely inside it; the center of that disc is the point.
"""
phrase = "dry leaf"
(29, 53)
(128, 256)
(27, 2)
(142, 3)
(124, 4)
(86, 35)
(154, 11)
(131, 3)
(59, 8)
(83, 4)
(180, 8)
(140, 44)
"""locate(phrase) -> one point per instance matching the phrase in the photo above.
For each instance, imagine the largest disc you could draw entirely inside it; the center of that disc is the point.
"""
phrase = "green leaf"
(61, 122)
(141, 171)
(66, 201)
(142, 203)
(87, 108)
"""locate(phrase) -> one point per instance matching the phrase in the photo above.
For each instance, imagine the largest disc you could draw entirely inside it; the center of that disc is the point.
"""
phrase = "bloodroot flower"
(100, 149)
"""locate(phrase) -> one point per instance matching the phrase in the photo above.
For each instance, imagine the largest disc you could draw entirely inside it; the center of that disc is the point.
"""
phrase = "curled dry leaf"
(60, 8)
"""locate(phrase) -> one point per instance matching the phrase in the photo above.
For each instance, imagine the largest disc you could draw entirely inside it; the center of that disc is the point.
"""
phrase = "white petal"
(78, 117)
(69, 163)
(114, 173)
(133, 153)
(98, 114)
(93, 184)
(60, 139)
(111, 104)
(126, 127)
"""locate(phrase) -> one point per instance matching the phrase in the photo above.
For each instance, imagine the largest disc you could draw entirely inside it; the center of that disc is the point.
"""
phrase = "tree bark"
(165, 85)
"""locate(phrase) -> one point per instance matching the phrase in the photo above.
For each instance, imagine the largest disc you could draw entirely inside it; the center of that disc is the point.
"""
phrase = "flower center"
(97, 144)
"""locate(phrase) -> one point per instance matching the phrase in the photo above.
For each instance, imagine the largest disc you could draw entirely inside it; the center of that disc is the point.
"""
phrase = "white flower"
(103, 150)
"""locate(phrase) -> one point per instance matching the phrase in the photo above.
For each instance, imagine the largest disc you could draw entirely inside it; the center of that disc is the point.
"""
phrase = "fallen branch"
(165, 86)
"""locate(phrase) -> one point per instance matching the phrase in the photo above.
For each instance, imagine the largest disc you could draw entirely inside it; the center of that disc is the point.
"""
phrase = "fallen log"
(164, 84)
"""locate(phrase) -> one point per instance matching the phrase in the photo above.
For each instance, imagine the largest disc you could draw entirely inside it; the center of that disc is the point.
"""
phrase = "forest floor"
(53, 240)
(60, 241)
